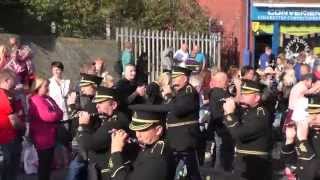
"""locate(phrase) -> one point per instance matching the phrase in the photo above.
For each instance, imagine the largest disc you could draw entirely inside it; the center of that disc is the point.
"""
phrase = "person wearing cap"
(301, 150)
(183, 131)
(97, 143)
(88, 85)
(153, 157)
(251, 131)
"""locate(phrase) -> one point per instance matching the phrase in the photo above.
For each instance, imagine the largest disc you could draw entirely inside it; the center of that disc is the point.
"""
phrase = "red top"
(7, 131)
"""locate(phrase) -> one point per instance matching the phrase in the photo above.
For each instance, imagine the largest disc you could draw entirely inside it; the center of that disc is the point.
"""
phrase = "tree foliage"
(72, 17)
(181, 15)
(88, 18)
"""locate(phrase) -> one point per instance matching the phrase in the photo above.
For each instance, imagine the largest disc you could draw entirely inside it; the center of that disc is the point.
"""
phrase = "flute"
(91, 115)
(129, 139)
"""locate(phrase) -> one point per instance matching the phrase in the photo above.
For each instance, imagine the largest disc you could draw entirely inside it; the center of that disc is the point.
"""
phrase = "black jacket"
(152, 162)
(97, 143)
(125, 90)
(251, 131)
(183, 130)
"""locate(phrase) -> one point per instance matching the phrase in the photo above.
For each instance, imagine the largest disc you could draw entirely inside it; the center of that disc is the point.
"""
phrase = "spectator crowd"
(99, 128)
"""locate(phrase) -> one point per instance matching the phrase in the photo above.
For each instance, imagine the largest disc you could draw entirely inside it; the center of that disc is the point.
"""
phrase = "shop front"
(287, 28)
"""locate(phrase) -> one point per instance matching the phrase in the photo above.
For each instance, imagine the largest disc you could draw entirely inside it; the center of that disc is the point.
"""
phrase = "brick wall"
(71, 51)
(232, 14)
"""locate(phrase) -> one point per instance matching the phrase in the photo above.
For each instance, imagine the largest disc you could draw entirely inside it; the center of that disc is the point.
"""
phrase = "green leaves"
(181, 15)
(87, 18)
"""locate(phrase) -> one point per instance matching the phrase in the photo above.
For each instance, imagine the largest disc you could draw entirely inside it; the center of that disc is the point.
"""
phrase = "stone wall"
(71, 51)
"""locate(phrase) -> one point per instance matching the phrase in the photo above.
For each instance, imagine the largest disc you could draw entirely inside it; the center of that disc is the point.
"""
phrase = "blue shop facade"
(286, 28)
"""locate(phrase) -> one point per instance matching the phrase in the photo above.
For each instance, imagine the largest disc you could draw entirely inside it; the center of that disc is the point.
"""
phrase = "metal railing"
(154, 42)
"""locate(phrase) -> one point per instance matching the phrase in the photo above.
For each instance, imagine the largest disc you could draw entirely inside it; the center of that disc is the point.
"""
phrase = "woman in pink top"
(44, 114)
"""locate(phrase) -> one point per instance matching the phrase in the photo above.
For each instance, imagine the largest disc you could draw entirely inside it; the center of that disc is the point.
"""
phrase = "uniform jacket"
(97, 142)
(152, 162)
(182, 118)
(251, 131)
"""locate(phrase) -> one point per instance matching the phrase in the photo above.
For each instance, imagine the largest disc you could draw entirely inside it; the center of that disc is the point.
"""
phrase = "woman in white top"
(59, 87)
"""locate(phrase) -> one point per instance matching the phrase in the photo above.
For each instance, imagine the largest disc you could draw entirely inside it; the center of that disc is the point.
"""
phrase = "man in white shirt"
(181, 55)
(59, 87)
(297, 100)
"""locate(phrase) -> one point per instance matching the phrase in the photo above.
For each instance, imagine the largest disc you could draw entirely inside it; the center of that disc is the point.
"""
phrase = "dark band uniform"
(252, 135)
(216, 125)
(183, 131)
(97, 143)
(152, 161)
(85, 104)
(303, 157)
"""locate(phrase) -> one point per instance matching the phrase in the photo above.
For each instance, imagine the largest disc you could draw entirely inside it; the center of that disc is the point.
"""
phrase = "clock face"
(295, 46)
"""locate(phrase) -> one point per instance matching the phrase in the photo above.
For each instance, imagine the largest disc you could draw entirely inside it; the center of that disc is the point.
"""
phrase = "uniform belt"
(251, 152)
(181, 124)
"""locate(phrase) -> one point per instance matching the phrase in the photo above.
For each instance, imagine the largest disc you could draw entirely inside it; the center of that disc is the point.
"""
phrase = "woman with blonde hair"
(108, 81)
(44, 114)
(164, 82)
(4, 56)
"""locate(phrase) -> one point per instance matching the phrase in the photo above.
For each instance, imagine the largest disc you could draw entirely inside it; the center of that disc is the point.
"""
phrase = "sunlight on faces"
(88, 90)
(179, 82)
(150, 135)
(249, 75)
(56, 72)
(250, 99)
(308, 83)
(130, 72)
(107, 107)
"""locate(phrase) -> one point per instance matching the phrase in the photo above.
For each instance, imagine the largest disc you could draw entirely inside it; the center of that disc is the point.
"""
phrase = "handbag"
(29, 157)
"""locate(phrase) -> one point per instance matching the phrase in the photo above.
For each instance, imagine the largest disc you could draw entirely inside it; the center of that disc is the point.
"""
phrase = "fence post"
(219, 50)
(149, 56)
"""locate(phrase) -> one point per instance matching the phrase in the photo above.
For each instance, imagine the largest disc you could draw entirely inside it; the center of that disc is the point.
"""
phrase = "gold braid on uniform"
(259, 110)
(121, 167)
(159, 144)
(114, 118)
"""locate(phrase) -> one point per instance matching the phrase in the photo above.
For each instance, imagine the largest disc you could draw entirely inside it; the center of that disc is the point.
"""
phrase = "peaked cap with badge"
(104, 94)
(250, 87)
(178, 71)
(88, 79)
(144, 119)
